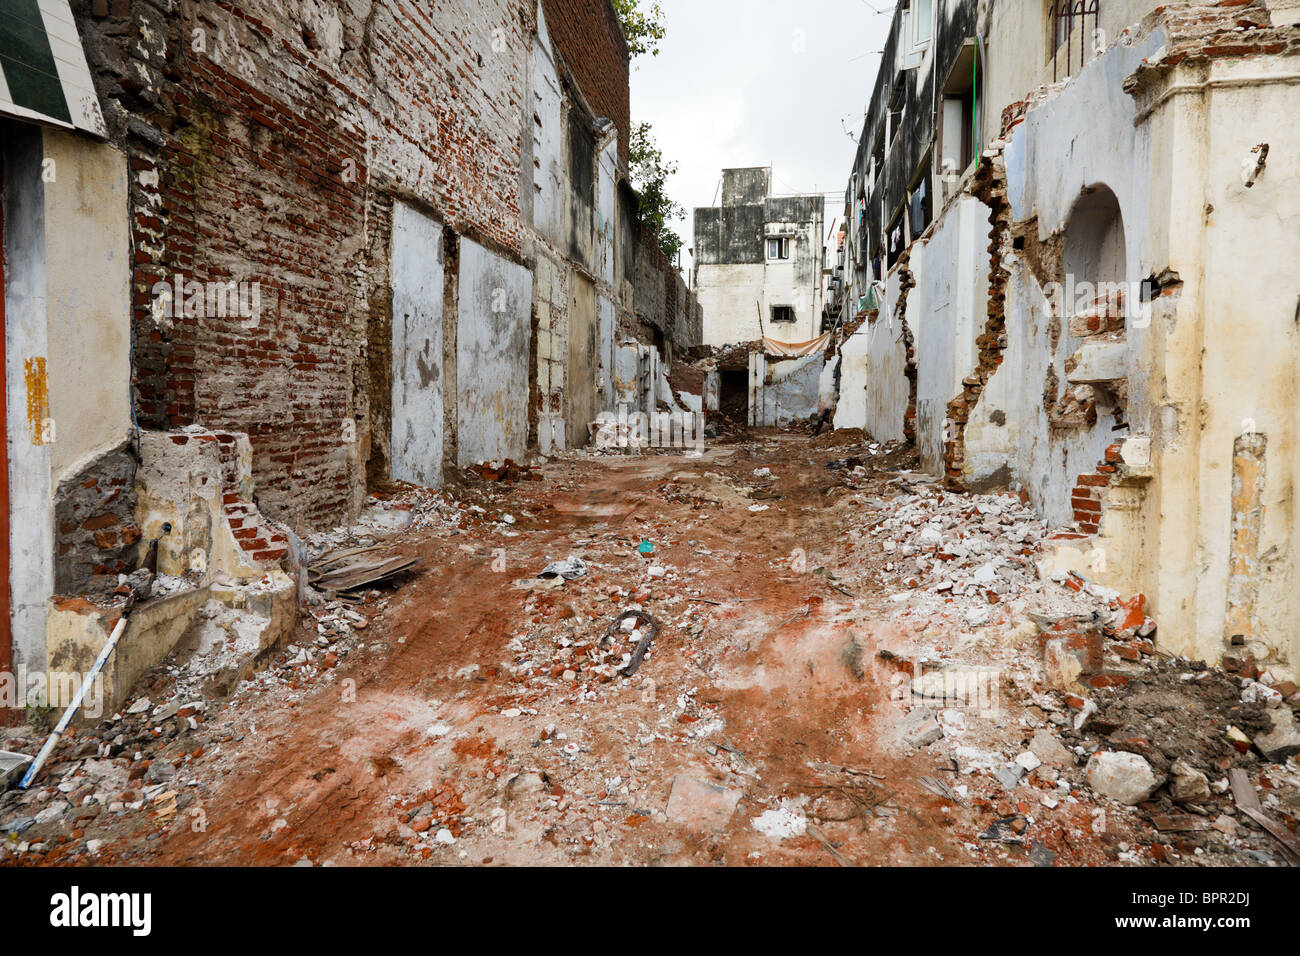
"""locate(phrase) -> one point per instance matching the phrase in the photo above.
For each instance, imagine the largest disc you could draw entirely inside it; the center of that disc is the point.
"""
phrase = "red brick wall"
(250, 161)
(1088, 498)
(587, 35)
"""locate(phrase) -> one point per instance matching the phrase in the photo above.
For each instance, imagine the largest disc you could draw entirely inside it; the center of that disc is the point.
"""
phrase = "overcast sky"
(759, 83)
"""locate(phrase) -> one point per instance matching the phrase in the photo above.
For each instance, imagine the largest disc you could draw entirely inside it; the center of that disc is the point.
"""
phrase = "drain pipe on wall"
(138, 593)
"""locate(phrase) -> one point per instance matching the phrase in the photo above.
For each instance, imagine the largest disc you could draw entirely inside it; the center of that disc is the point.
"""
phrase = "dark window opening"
(782, 313)
(895, 240)
(959, 112)
(920, 205)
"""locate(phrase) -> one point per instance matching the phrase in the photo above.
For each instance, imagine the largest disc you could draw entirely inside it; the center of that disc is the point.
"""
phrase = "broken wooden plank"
(339, 553)
(820, 837)
(351, 577)
(1275, 829)
(1179, 822)
(1243, 791)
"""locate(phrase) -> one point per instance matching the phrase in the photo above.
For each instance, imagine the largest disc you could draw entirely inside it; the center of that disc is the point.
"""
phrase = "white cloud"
(759, 82)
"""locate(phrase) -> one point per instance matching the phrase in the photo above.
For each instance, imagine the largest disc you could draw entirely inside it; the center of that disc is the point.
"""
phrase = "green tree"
(643, 25)
(650, 180)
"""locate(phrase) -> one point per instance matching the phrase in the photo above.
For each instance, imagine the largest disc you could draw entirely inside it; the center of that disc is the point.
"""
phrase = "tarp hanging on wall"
(43, 72)
(797, 349)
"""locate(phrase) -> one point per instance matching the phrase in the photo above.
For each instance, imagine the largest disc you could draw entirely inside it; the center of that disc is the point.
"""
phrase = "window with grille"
(1076, 26)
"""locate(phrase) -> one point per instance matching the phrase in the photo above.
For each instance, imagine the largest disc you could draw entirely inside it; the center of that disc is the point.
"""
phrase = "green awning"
(43, 72)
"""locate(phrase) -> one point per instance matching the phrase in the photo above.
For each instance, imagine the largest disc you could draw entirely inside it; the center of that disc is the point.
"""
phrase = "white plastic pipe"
(77, 701)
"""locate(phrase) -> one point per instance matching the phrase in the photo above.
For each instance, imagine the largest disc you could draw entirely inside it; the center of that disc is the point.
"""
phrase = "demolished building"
(1055, 220)
(260, 258)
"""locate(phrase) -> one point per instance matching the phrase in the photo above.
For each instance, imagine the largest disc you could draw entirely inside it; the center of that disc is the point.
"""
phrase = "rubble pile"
(127, 772)
(404, 508)
(969, 558)
(669, 675)
(1051, 703)
(508, 471)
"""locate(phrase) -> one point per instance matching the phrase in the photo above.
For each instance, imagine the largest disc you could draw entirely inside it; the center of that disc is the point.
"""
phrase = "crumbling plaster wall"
(1024, 26)
(31, 524)
(1083, 138)
(732, 297)
(88, 298)
(67, 308)
(875, 393)
(951, 275)
(1224, 362)
(1208, 368)
(417, 347)
(571, 204)
(257, 136)
(551, 306)
(785, 390)
(493, 342)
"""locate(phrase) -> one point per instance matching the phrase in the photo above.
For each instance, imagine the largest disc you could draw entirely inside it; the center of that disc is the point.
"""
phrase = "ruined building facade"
(1071, 231)
(758, 262)
(276, 253)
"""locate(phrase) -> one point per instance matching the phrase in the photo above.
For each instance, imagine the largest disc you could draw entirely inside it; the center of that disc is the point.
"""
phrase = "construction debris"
(341, 572)
(507, 471)
(557, 745)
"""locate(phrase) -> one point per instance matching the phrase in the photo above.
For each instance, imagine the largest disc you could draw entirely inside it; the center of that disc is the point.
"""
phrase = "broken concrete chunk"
(920, 729)
(700, 803)
(1187, 784)
(160, 771)
(1124, 777)
(1283, 740)
(782, 823)
(1100, 363)
(1010, 776)
(1050, 750)
(1061, 668)
(1029, 761)
(523, 784)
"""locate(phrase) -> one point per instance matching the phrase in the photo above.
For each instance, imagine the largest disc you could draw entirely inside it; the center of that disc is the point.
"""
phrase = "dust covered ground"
(848, 670)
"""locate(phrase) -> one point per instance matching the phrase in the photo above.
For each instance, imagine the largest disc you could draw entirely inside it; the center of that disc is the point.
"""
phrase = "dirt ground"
(480, 718)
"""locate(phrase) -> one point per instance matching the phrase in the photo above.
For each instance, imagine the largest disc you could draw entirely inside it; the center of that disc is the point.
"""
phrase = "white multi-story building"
(758, 262)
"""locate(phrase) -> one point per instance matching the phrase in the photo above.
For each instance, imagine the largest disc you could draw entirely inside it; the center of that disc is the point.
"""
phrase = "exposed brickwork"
(95, 538)
(1088, 497)
(990, 187)
(257, 134)
(1104, 317)
(587, 36)
(1229, 29)
(262, 541)
(1081, 639)
(662, 300)
(906, 283)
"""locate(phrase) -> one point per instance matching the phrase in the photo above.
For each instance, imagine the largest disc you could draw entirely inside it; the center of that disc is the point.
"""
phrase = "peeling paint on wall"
(1243, 552)
(39, 425)
(492, 331)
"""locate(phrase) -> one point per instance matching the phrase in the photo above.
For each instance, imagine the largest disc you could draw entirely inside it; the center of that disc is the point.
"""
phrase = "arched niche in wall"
(1095, 249)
